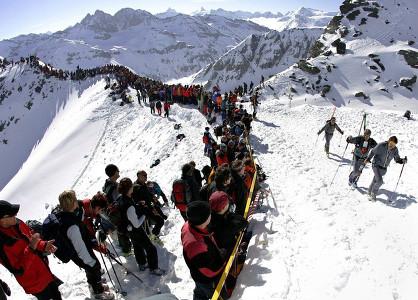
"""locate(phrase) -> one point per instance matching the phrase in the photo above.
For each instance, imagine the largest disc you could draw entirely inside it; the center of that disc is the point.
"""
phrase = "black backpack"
(114, 213)
(51, 230)
(35, 226)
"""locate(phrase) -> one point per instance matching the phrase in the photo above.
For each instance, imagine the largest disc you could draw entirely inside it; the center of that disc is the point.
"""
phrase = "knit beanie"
(218, 200)
(198, 212)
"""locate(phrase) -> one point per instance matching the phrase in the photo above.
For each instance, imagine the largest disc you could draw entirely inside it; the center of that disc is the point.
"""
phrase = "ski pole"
(397, 183)
(123, 293)
(339, 143)
(316, 141)
(129, 272)
(342, 157)
(111, 256)
(120, 290)
(107, 271)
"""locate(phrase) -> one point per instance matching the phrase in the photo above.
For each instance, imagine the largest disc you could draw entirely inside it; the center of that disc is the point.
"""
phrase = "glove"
(319, 133)
(349, 138)
(342, 132)
(405, 160)
(5, 288)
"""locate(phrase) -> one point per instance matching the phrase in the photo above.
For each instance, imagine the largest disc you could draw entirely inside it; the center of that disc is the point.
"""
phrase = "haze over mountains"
(161, 47)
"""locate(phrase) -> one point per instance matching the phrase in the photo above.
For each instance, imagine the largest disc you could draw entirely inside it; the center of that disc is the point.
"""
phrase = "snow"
(311, 239)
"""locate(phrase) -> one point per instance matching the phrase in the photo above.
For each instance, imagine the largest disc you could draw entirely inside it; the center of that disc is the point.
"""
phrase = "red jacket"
(201, 254)
(30, 269)
(166, 106)
(222, 159)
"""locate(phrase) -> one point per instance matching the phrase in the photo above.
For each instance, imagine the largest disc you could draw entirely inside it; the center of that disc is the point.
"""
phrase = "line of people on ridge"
(366, 150)
(213, 213)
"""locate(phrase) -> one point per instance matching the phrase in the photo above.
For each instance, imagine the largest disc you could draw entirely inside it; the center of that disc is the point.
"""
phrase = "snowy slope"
(322, 241)
(159, 48)
(312, 240)
(258, 55)
(373, 63)
(28, 103)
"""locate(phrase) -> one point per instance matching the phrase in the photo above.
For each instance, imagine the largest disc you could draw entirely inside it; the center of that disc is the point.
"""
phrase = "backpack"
(205, 138)
(181, 194)
(51, 230)
(114, 213)
(35, 226)
(218, 130)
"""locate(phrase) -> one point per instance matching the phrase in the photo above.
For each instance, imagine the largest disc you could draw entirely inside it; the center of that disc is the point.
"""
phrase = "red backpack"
(181, 194)
(205, 139)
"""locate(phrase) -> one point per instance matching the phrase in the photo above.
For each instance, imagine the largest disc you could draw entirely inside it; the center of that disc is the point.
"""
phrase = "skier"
(208, 141)
(166, 108)
(158, 106)
(22, 254)
(145, 252)
(201, 252)
(152, 106)
(363, 144)
(254, 103)
(382, 154)
(251, 86)
(329, 128)
(110, 189)
(81, 243)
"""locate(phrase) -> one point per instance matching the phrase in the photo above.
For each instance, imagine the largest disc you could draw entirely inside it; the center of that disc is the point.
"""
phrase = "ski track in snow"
(312, 240)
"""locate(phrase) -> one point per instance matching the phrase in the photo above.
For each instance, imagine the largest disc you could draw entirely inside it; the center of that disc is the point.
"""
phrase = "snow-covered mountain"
(170, 12)
(29, 102)
(257, 55)
(159, 48)
(300, 18)
(239, 14)
(367, 54)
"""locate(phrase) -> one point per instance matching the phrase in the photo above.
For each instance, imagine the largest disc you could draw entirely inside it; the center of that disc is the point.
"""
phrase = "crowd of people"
(211, 202)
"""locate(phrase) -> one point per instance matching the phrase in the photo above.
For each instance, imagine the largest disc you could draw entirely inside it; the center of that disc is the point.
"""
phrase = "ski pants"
(124, 242)
(355, 174)
(50, 292)
(152, 109)
(204, 291)
(166, 113)
(207, 148)
(377, 179)
(142, 244)
(328, 138)
(93, 274)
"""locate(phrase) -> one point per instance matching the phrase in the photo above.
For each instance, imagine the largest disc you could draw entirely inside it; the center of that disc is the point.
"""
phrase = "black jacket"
(194, 187)
(225, 228)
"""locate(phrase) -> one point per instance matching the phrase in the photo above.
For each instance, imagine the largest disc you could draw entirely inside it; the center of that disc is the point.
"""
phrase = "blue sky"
(30, 16)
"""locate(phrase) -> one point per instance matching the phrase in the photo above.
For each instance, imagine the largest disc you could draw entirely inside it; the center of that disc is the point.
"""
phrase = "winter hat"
(223, 146)
(218, 200)
(368, 132)
(198, 212)
(231, 143)
(207, 128)
(206, 170)
(8, 209)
